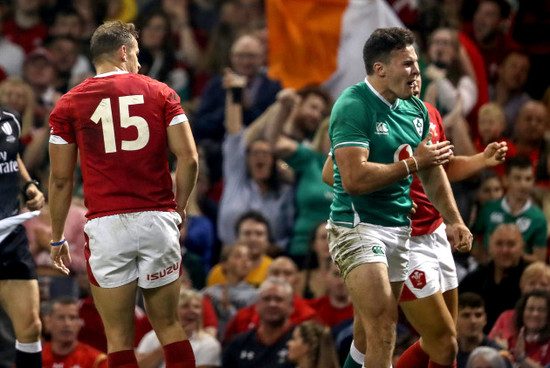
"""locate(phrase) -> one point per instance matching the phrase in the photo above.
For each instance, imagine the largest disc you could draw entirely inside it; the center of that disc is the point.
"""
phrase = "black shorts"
(16, 260)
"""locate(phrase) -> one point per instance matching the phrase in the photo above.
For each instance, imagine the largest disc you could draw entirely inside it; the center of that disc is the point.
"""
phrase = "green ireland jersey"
(362, 117)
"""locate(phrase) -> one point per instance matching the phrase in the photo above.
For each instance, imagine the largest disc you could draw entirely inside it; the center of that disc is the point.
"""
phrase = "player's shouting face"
(402, 73)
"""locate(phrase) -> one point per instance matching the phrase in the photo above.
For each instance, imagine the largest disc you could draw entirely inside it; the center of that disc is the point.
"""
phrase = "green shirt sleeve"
(350, 122)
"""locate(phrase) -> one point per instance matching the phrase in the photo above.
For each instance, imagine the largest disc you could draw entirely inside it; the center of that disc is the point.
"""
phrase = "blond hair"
(536, 270)
(491, 109)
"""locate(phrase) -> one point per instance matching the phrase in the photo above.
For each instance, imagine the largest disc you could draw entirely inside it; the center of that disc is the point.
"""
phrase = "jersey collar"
(506, 206)
(111, 73)
(386, 102)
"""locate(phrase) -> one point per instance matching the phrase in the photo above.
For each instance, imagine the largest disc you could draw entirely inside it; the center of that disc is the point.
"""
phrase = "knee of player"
(30, 331)
(446, 344)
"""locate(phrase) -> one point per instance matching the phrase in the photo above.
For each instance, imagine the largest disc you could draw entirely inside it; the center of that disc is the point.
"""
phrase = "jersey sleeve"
(349, 124)
(173, 111)
(540, 231)
(61, 119)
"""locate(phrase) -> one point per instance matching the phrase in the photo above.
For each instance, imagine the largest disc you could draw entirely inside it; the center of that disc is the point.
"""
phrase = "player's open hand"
(61, 257)
(429, 155)
(495, 153)
(35, 198)
(460, 238)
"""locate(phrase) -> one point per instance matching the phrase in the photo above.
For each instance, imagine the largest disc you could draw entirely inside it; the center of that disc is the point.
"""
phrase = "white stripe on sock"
(31, 347)
(356, 355)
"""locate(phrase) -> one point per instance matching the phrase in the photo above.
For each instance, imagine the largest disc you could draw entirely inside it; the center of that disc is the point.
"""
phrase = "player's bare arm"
(437, 188)
(182, 145)
(34, 197)
(62, 166)
(462, 167)
(360, 176)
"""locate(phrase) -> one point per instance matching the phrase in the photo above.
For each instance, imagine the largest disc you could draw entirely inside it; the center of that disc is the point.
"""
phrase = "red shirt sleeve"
(61, 120)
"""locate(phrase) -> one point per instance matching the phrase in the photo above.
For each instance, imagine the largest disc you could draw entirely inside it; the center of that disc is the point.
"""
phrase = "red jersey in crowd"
(247, 318)
(119, 119)
(84, 356)
(327, 313)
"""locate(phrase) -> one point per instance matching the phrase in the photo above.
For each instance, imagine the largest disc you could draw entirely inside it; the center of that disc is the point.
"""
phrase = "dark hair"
(519, 162)
(63, 300)
(470, 300)
(274, 182)
(382, 42)
(322, 352)
(315, 89)
(503, 7)
(110, 36)
(168, 48)
(520, 309)
(255, 216)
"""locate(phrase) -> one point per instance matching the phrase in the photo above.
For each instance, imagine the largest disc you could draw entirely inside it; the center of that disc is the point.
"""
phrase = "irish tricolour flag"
(321, 41)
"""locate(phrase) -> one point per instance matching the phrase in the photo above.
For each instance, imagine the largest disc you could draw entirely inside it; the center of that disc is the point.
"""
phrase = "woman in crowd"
(311, 346)
(316, 265)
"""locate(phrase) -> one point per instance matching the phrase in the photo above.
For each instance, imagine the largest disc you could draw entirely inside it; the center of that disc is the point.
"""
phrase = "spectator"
(158, 53)
(253, 230)
(498, 281)
(535, 277)
(530, 344)
(490, 23)
(40, 73)
(235, 293)
(508, 91)
(491, 124)
(516, 207)
(248, 318)
(11, 56)
(16, 95)
(531, 126)
(290, 123)
(312, 346)
(486, 357)
(70, 63)
(318, 261)
(25, 27)
(251, 178)
(469, 328)
(64, 349)
(265, 345)
(207, 349)
(258, 92)
(67, 22)
(335, 306)
(449, 73)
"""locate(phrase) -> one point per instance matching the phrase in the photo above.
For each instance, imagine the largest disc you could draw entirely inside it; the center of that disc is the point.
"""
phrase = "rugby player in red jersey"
(122, 124)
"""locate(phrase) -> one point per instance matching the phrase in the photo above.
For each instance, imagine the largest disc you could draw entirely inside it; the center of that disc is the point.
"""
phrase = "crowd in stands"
(259, 288)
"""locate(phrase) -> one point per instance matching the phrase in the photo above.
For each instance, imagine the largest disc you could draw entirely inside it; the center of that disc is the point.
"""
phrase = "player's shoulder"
(354, 97)
(414, 103)
(140, 78)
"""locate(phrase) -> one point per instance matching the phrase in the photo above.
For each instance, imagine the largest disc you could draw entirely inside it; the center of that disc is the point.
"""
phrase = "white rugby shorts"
(431, 266)
(368, 243)
(128, 246)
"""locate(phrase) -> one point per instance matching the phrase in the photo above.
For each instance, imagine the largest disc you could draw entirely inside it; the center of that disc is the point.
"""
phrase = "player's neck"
(380, 85)
(108, 67)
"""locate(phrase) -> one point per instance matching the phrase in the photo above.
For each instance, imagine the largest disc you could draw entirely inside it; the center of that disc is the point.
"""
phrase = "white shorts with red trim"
(431, 266)
(139, 245)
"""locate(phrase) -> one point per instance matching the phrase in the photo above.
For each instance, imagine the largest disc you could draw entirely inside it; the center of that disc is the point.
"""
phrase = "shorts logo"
(162, 273)
(382, 128)
(418, 279)
(377, 250)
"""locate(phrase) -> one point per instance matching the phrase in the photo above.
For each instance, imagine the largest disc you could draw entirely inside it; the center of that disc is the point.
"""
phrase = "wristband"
(56, 244)
(415, 162)
(407, 167)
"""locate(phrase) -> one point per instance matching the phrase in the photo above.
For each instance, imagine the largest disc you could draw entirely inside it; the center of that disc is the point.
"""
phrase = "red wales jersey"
(84, 356)
(118, 121)
(427, 218)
